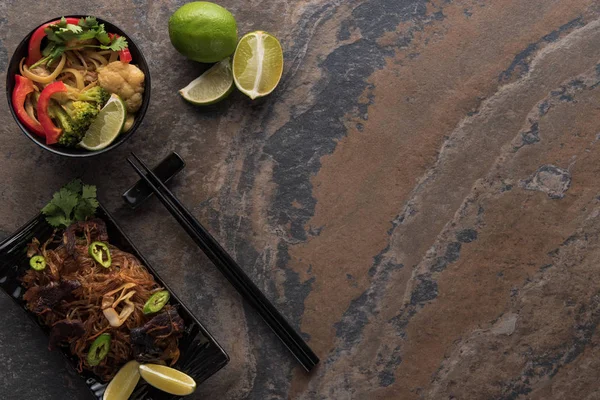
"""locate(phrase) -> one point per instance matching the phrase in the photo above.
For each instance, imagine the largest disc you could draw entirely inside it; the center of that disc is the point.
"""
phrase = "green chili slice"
(37, 262)
(156, 302)
(100, 252)
(99, 349)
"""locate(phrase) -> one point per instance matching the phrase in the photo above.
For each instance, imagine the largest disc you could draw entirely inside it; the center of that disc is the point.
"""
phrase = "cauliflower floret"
(125, 80)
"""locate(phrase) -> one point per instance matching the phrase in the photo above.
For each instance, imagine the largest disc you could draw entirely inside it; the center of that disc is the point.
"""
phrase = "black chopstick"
(228, 267)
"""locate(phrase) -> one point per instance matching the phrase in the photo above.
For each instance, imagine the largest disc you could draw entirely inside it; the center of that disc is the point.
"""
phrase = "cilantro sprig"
(73, 202)
(63, 36)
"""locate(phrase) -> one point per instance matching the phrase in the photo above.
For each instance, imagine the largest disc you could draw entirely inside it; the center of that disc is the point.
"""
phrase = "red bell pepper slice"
(125, 54)
(35, 43)
(51, 130)
(22, 88)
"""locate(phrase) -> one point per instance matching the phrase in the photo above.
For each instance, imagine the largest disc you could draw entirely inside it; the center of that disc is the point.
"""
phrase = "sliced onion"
(80, 58)
(97, 57)
(95, 62)
(45, 79)
(77, 75)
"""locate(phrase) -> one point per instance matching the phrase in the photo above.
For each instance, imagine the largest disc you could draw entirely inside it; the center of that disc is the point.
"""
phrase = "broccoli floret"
(75, 112)
(63, 121)
(96, 94)
(74, 118)
(82, 114)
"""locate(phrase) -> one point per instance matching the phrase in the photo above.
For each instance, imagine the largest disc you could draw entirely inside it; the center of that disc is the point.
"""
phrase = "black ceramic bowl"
(138, 59)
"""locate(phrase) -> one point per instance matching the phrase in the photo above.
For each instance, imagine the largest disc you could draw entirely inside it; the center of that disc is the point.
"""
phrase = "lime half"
(124, 382)
(167, 379)
(212, 86)
(106, 126)
(257, 64)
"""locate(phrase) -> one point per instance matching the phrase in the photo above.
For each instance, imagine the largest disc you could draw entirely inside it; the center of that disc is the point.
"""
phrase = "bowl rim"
(65, 151)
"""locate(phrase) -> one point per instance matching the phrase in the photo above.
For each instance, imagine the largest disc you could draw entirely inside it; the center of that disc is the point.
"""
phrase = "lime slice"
(167, 379)
(212, 86)
(257, 64)
(124, 382)
(106, 126)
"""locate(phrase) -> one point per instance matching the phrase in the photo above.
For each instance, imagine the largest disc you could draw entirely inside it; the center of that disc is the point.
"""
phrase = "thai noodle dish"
(73, 70)
(100, 301)
(100, 304)
(97, 300)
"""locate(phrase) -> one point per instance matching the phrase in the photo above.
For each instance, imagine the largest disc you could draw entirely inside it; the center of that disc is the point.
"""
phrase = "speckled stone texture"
(420, 197)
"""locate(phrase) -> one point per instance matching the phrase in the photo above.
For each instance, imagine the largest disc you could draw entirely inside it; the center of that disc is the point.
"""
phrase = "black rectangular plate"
(201, 355)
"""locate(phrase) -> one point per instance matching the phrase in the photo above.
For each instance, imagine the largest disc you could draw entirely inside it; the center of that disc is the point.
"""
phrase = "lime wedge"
(257, 64)
(167, 379)
(212, 86)
(124, 382)
(106, 126)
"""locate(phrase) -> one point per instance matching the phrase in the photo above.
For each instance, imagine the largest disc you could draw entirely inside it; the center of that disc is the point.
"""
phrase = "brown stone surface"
(420, 197)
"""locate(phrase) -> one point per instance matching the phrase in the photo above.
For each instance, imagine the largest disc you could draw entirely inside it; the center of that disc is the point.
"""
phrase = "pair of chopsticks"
(228, 267)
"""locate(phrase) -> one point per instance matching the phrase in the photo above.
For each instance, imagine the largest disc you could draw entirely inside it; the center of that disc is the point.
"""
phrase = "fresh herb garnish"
(63, 36)
(73, 202)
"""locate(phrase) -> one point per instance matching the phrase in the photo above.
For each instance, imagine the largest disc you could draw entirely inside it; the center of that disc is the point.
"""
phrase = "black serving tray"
(201, 355)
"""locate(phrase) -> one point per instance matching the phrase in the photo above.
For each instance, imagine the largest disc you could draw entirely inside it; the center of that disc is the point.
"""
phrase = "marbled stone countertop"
(420, 197)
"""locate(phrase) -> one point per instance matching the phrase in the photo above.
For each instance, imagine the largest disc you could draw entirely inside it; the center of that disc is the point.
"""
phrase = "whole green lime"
(203, 31)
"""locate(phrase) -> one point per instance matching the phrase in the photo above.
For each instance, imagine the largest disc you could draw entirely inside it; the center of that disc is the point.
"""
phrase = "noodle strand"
(97, 57)
(93, 61)
(78, 77)
(45, 79)
(80, 58)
